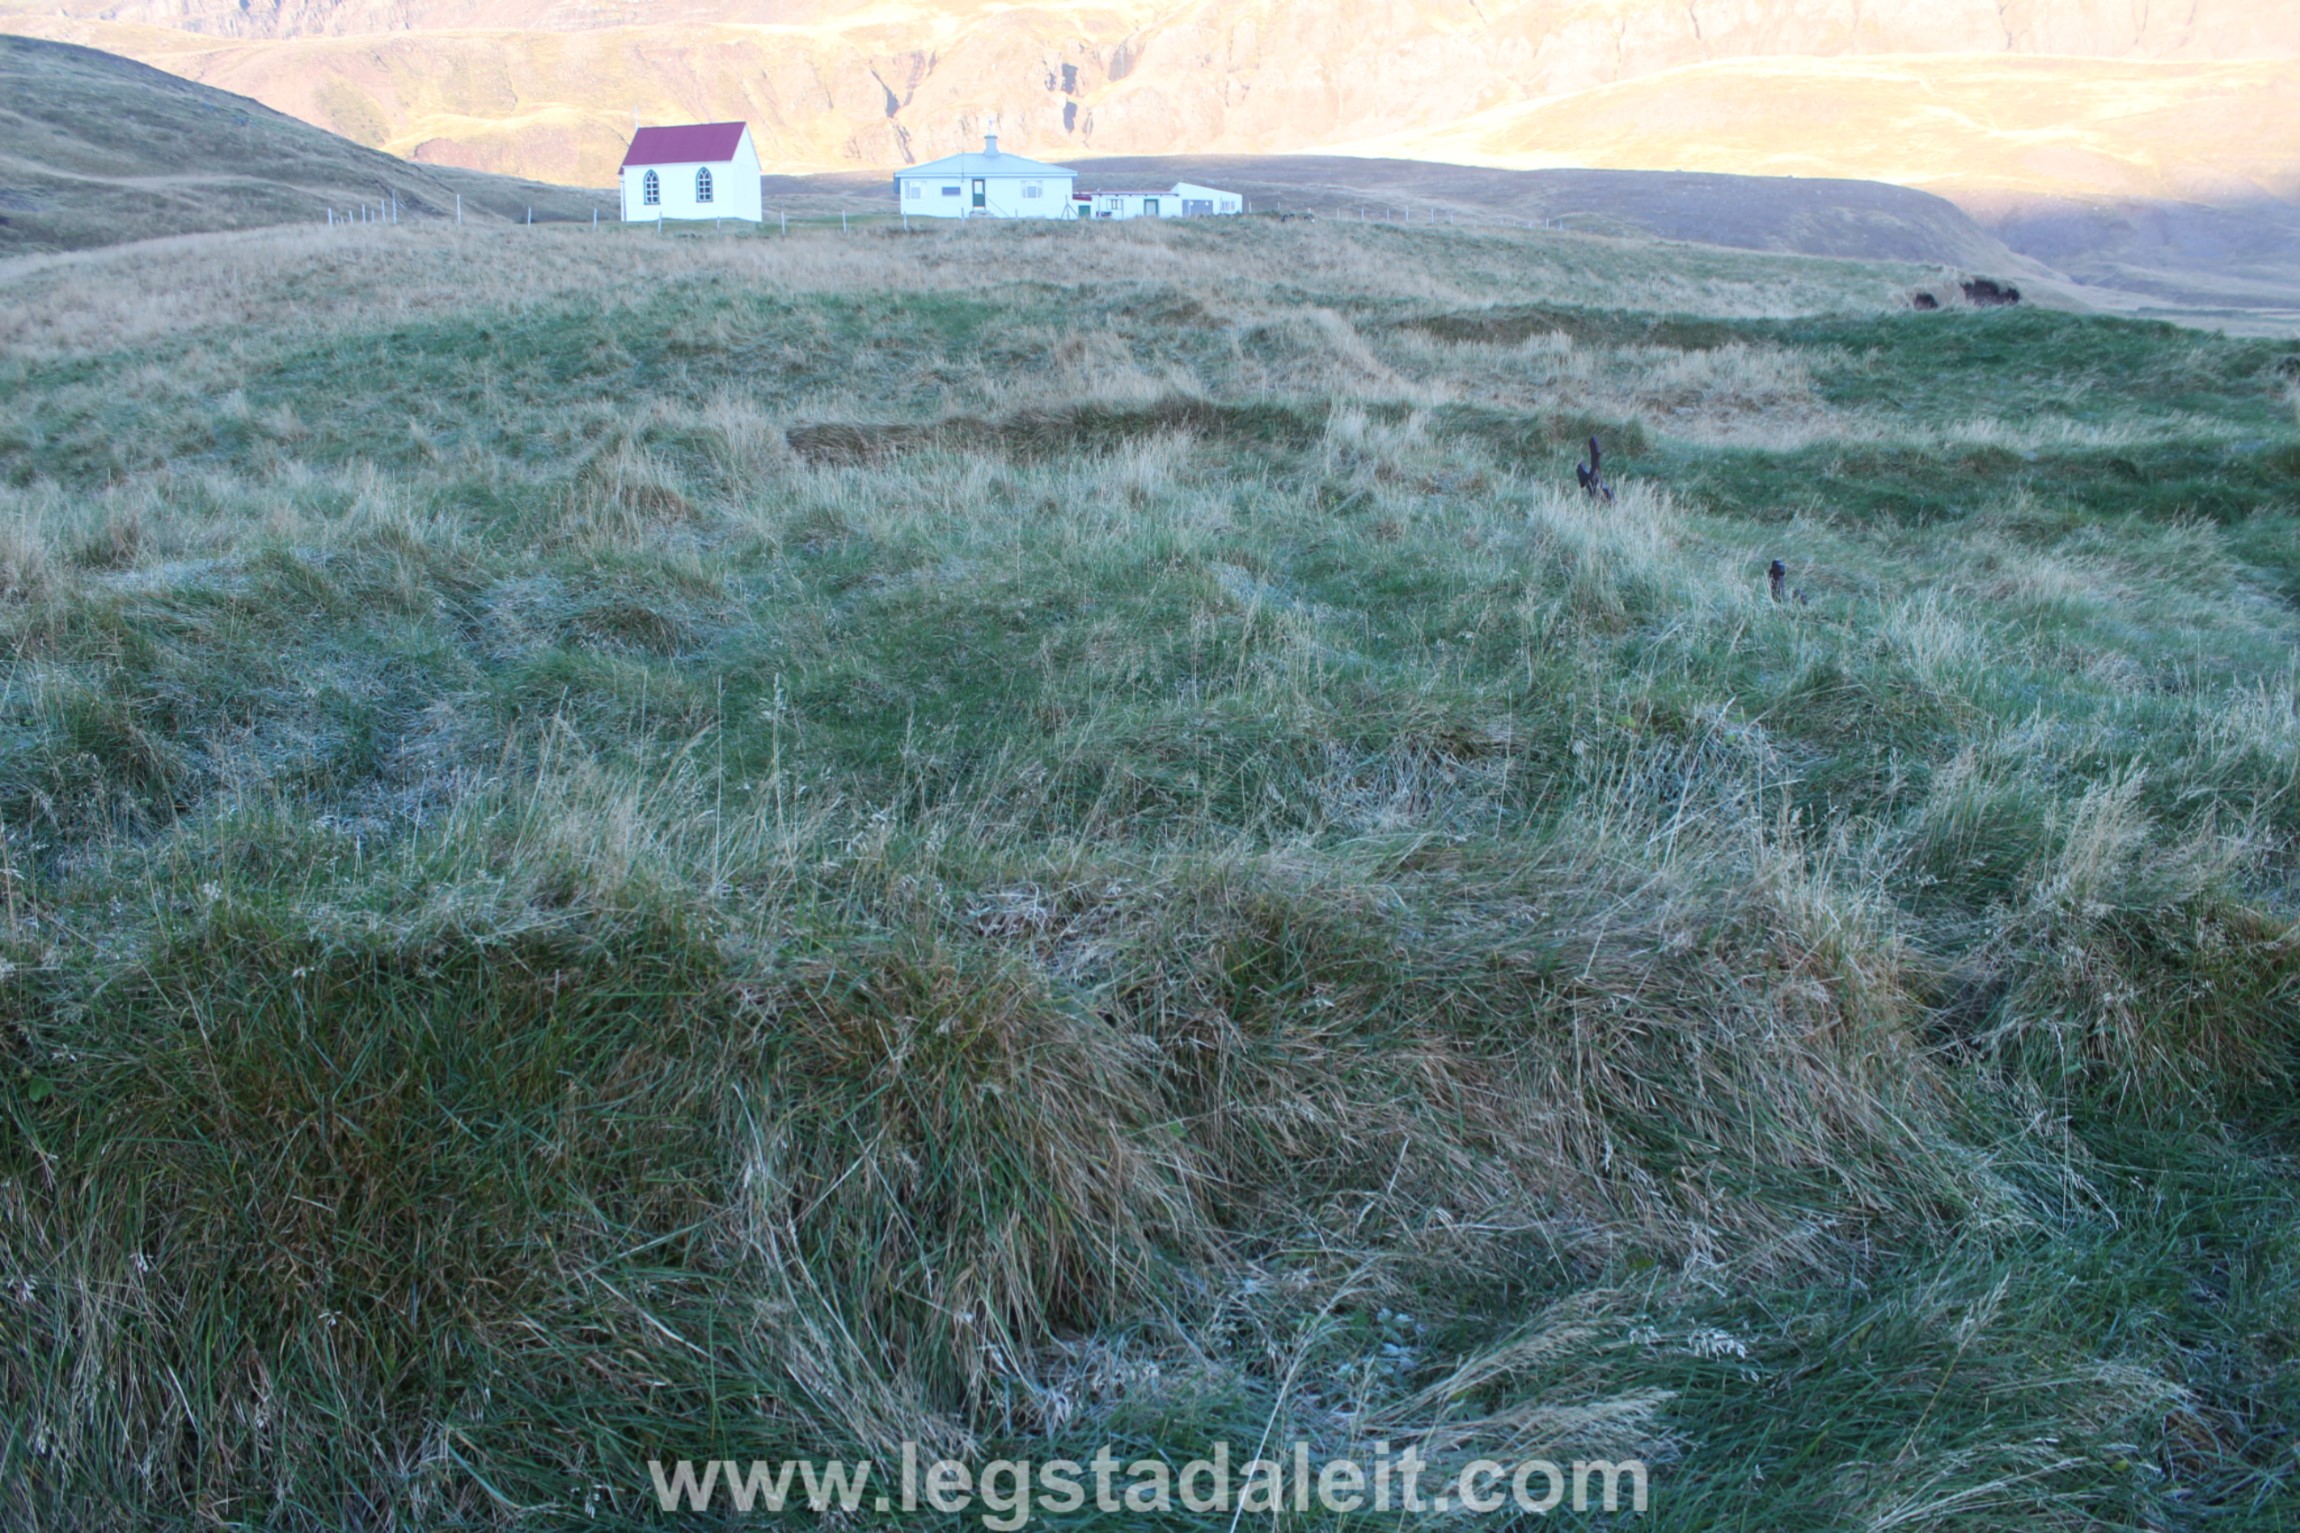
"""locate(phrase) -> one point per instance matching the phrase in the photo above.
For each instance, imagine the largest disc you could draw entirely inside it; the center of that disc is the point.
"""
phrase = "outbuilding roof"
(693, 143)
(989, 162)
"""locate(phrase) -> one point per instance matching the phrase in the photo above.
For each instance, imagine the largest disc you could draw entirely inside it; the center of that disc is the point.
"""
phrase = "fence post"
(786, 223)
(459, 210)
(842, 221)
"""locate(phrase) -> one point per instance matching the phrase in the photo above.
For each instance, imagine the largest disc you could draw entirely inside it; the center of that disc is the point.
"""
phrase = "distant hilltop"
(2068, 97)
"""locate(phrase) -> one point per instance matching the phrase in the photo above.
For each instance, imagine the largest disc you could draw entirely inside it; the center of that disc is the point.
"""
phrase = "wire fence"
(388, 210)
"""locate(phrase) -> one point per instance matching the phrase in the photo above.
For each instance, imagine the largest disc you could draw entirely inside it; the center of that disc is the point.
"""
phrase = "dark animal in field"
(1987, 293)
(1591, 474)
(1777, 579)
(1924, 303)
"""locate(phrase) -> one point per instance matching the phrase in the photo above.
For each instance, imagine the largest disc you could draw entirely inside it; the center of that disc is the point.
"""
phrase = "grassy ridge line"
(98, 150)
(549, 922)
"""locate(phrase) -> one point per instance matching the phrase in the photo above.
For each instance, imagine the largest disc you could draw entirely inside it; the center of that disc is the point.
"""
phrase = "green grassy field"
(627, 846)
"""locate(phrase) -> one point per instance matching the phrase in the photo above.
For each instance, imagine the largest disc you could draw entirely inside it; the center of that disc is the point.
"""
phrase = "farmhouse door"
(978, 197)
(1149, 207)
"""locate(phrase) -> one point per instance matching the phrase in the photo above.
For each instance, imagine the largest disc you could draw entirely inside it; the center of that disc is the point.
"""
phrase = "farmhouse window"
(703, 184)
(950, 191)
(1030, 188)
(651, 190)
(912, 190)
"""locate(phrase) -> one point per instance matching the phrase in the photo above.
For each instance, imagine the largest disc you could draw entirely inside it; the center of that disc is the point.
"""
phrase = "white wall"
(734, 189)
(1224, 202)
(1002, 196)
(1137, 205)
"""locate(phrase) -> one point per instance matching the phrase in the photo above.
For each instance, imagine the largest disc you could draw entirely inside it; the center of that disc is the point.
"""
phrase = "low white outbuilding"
(1184, 199)
(985, 185)
(1195, 201)
(692, 170)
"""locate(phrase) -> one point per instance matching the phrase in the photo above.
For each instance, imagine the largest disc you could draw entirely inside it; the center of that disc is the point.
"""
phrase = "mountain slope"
(2042, 126)
(95, 150)
(549, 88)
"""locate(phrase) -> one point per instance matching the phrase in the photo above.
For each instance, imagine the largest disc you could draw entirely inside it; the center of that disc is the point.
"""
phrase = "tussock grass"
(624, 848)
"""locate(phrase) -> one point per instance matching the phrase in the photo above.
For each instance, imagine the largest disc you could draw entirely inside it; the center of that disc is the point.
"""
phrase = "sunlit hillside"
(550, 89)
(2193, 132)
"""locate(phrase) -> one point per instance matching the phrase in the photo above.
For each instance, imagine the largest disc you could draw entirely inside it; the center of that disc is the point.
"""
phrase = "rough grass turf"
(631, 848)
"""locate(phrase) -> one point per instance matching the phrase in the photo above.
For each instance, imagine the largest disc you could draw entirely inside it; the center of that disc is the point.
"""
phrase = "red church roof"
(688, 144)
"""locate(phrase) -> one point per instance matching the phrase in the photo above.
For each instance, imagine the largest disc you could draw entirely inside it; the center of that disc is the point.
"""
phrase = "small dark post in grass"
(1592, 476)
(1777, 576)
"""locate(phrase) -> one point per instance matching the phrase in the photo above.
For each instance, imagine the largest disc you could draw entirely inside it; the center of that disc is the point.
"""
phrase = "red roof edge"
(685, 144)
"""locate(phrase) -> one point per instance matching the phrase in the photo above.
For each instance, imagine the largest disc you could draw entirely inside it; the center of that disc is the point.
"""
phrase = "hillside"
(2196, 132)
(1015, 838)
(95, 150)
(1866, 220)
(547, 89)
(2224, 268)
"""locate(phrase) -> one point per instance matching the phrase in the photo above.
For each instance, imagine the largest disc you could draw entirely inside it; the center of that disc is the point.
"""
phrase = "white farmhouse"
(1184, 199)
(985, 185)
(694, 170)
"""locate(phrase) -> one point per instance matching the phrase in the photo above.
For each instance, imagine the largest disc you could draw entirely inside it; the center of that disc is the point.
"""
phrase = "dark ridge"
(100, 150)
(1037, 435)
(1514, 325)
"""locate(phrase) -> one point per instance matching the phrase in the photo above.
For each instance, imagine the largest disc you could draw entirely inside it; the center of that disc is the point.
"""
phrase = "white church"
(692, 170)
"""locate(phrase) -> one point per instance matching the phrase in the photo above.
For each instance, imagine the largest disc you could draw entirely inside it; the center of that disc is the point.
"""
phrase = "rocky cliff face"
(1626, 31)
(548, 87)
